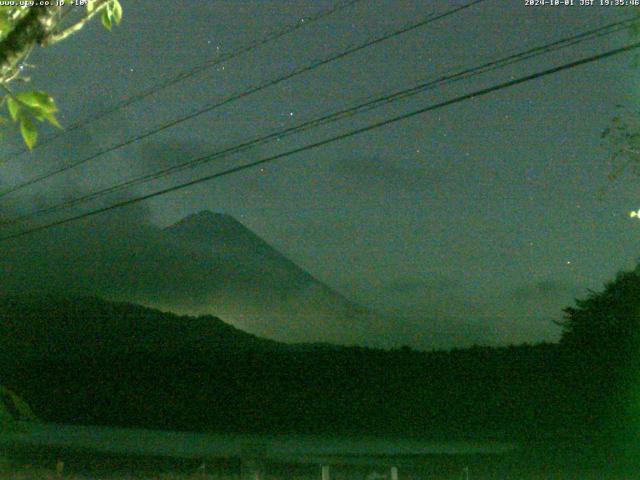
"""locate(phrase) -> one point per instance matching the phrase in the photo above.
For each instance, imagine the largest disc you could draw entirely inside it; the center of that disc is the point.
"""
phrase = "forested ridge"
(90, 361)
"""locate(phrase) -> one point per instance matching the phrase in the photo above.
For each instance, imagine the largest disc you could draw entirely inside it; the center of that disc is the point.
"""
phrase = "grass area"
(50, 474)
(30, 473)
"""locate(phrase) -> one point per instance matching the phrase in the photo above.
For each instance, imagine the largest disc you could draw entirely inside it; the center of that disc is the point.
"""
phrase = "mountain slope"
(64, 326)
(91, 361)
(206, 264)
(259, 289)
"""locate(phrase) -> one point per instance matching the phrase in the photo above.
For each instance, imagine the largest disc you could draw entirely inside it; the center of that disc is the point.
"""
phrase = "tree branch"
(30, 31)
(55, 37)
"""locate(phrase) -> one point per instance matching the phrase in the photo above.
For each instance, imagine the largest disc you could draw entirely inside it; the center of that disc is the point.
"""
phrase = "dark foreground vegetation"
(537, 464)
(93, 362)
(90, 361)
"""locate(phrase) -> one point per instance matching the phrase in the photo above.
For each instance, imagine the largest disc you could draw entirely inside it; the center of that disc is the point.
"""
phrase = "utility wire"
(184, 75)
(250, 91)
(335, 116)
(389, 121)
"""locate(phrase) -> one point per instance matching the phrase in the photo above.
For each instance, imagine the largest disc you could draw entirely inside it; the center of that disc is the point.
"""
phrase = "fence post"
(394, 473)
(326, 472)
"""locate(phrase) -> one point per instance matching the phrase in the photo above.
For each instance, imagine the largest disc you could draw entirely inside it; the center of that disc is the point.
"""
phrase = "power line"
(341, 114)
(184, 75)
(250, 91)
(461, 98)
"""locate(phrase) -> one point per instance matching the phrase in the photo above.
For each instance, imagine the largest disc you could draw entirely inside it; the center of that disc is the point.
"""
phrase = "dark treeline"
(346, 390)
(90, 361)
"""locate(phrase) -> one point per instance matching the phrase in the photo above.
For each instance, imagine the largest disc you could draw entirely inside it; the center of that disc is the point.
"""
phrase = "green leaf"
(14, 108)
(116, 12)
(29, 132)
(52, 119)
(106, 19)
(5, 23)
(40, 100)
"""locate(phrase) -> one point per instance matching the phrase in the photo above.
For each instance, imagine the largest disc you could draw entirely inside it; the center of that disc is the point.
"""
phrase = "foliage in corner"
(601, 336)
(21, 29)
(25, 108)
(111, 14)
(622, 137)
(623, 141)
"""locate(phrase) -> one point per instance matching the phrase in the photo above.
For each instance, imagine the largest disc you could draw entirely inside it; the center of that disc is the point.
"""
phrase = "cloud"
(439, 308)
(123, 255)
(375, 172)
(437, 284)
(544, 289)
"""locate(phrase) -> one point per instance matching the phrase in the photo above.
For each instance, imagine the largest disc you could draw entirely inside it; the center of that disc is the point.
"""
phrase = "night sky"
(495, 212)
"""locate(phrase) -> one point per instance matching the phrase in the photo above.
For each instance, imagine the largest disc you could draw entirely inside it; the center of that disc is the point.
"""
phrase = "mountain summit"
(222, 234)
(205, 264)
(206, 223)
(259, 289)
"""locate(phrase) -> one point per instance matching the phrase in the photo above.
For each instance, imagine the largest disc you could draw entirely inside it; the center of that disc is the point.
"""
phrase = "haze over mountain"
(65, 327)
(207, 263)
(255, 287)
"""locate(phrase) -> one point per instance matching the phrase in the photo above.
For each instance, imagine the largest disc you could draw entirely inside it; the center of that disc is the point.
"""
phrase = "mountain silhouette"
(205, 264)
(64, 327)
(254, 286)
(96, 362)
